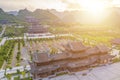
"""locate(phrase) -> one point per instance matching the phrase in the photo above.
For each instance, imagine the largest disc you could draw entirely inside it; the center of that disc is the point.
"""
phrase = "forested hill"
(5, 16)
(44, 16)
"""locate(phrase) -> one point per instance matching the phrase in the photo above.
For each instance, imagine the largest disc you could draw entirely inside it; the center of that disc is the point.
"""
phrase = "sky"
(60, 5)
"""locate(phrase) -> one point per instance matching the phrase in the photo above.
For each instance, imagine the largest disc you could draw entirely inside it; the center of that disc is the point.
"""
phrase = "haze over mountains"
(52, 16)
(6, 16)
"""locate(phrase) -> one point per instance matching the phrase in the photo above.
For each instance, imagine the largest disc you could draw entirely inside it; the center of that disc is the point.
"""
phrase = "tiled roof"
(91, 55)
(106, 56)
(40, 57)
(116, 41)
(47, 68)
(59, 56)
(79, 63)
(75, 46)
(79, 55)
(44, 57)
(92, 51)
(102, 48)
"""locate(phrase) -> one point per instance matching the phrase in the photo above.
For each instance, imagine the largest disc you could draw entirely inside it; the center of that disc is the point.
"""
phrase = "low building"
(75, 57)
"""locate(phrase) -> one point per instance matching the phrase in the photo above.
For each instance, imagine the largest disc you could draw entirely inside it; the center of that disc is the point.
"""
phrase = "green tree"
(8, 76)
(18, 71)
(23, 74)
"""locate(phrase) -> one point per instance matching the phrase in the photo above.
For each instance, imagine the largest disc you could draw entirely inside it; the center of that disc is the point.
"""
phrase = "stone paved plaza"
(108, 72)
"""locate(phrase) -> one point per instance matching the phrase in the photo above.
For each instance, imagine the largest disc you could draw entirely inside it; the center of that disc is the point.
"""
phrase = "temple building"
(35, 29)
(74, 57)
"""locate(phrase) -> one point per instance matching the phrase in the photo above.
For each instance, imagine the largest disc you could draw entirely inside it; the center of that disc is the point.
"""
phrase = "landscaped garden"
(49, 44)
(14, 32)
(24, 75)
(14, 52)
(10, 52)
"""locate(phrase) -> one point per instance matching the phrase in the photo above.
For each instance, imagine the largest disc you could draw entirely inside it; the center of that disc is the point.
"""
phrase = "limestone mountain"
(5, 16)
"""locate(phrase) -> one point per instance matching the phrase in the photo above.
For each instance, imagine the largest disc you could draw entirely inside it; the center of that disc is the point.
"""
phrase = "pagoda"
(74, 57)
(35, 29)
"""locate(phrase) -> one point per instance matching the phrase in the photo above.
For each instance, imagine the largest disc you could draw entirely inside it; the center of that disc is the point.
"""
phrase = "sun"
(94, 7)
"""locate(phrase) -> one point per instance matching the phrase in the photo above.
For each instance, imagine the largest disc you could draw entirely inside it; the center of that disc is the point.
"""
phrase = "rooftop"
(116, 41)
(75, 46)
(46, 57)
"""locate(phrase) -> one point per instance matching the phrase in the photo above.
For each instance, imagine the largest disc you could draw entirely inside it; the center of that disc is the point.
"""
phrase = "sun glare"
(93, 6)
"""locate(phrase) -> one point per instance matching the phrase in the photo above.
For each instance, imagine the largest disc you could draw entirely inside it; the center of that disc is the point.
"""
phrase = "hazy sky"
(8, 5)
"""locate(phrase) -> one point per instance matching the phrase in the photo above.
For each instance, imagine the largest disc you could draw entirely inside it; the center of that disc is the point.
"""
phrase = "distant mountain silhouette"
(5, 16)
(45, 16)
(1, 11)
(22, 14)
(15, 13)
(112, 17)
(52, 16)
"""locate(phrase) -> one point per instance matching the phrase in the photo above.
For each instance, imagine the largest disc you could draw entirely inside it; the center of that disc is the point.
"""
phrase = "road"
(3, 31)
(51, 36)
(3, 41)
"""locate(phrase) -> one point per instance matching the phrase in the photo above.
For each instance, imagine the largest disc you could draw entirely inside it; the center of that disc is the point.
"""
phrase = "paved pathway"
(3, 41)
(4, 65)
(51, 36)
(25, 56)
(13, 64)
(3, 31)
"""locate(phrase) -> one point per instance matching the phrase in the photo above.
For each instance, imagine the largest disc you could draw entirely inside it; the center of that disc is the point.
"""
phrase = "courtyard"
(104, 72)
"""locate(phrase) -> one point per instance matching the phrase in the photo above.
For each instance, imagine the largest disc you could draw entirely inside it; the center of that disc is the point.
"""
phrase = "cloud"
(43, 4)
(8, 5)
(12, 4)
(71, 4)
(76, 4)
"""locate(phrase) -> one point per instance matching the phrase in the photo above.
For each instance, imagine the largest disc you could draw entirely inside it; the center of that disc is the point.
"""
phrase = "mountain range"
(112, 16)
(6, 16)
